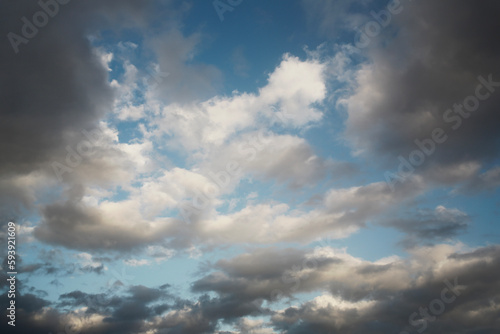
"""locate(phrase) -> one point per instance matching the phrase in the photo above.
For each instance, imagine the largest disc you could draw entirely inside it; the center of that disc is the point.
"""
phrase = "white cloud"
(342, 212)
(295, 86)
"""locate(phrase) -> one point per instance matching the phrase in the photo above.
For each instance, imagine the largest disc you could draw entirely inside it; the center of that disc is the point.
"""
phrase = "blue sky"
(251, 166)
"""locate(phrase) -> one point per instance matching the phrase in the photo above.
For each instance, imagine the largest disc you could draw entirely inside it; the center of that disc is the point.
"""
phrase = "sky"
(254, 167)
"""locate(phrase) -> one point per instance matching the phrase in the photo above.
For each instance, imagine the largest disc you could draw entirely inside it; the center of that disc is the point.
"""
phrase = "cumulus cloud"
(427, 226)
(341, 212)
(376, 296)
(292, 88)
(128, 224)
(416, 81)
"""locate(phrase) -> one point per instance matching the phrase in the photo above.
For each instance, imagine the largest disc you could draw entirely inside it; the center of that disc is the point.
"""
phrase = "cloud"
(54, 87)
(428, 226)
(284, 158)
(356, 295)
(294, 86)
(340, 213)
(411, 81)
(113, 226)
(364, 295)
(272, 273)
(481, 181)
(187, 79)
(253, 326)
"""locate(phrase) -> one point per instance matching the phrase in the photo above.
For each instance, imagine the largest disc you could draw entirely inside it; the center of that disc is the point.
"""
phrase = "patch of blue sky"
(371, 243)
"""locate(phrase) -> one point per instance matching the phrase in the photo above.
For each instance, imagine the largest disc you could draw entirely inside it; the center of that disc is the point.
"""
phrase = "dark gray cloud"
(486, 181)
(268, 273)
(429, 226)
(140, 309)
(473, 275)
(46, 87)
(357, 304)
(473, 308)
(53, 86)
(65, 90)
(138, 303)
(77, 226)
(428, 59)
